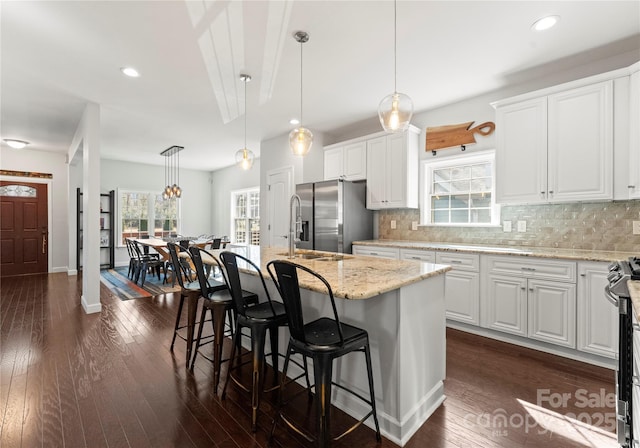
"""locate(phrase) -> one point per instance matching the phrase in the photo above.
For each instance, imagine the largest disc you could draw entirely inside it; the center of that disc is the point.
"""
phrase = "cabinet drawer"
(564, 271)
(416, 254)
(382, 252)
(463, 262)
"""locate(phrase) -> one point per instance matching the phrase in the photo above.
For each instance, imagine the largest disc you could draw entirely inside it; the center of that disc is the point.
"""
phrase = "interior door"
(280, 188)
(23, 228)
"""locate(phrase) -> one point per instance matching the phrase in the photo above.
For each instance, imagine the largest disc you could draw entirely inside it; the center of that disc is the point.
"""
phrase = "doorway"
(280, 188)
(24, 230)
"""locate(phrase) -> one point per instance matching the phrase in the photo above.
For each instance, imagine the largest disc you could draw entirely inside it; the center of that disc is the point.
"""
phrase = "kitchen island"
(401, 305)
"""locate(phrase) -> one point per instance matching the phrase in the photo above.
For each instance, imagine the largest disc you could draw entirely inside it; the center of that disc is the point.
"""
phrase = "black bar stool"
(266, 315)
(323, 340)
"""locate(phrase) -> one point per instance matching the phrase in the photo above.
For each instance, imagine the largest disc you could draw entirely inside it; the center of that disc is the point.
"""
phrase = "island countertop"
(350, 276)
(526, 251)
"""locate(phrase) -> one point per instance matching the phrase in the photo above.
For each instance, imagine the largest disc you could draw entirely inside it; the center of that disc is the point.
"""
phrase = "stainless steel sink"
(304, 256)
(318, 257)
(335, 258)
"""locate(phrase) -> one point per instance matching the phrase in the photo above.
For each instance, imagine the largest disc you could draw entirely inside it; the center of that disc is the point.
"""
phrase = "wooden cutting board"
(441, 137)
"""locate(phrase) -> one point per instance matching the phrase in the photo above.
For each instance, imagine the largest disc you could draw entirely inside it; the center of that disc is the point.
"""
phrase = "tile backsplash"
(593, 226)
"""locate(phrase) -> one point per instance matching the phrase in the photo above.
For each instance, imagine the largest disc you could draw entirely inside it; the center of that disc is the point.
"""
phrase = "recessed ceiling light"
(16, 144)
(130, 71)
(294, 121)
(545, 23)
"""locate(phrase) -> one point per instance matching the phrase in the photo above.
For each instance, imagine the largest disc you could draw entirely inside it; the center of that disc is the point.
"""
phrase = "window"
(138, 209)
(459, 191)
(245, 217)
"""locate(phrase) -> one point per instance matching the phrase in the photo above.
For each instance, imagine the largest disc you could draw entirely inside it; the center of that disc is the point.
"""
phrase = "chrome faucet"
(295, 224)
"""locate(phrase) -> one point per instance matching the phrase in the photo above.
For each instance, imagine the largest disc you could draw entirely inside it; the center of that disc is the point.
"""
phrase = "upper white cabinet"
(556, 147)
(346, 161)
(392, 171)
(634, 136)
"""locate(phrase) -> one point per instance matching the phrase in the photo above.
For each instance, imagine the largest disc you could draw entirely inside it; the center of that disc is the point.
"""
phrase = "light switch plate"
(636, 227)
(414, 225)
(506, 226)
(522, 226)
(393, 224)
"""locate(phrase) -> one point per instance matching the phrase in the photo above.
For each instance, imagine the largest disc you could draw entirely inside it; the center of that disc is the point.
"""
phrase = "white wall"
(223, 182)
(195, 201)
(54, 163)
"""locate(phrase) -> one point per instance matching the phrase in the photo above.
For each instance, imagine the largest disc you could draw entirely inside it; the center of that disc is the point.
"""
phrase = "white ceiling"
(58, 55)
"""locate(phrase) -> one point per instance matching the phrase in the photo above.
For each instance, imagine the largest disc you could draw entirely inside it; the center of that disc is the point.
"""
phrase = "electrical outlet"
(636, 227)
(414, 225)
(393, 224)
(506, 226)
(522, 226)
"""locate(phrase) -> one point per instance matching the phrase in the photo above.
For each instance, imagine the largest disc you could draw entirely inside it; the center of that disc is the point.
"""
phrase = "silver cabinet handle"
(455, 262)
(631, 186)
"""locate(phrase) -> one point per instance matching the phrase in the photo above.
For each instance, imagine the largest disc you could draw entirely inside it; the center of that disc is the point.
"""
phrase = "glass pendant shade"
(300, 141)
(395, 112)
(244, 158)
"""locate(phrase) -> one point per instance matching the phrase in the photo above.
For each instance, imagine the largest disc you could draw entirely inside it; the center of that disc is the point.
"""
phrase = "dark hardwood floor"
(109, 380)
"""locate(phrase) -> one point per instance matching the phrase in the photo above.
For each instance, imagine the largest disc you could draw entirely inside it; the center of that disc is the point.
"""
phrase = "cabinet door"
(355, 161)
(580, 144)
(521, 152)
(634, 137)
(380, 252)
(376, 172)
(597, 318)
(506, 303)
(416, 254)
(552, 312)
(333, 163)
(396, 179)
(462, 296)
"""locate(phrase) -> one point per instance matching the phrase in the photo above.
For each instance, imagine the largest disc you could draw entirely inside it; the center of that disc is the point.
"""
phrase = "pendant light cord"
(301, 121)
(395, 46)
(245, 116)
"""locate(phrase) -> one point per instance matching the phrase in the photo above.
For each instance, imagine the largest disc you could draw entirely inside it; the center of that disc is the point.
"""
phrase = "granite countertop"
(350, 276)
(542, 252)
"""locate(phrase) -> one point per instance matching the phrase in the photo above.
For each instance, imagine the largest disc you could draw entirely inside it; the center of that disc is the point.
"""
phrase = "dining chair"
(323, 340)
(146, 262)
(218, 302)
(266, 315)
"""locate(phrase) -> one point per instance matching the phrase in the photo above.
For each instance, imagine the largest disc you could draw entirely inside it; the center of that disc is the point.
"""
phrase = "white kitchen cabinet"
(462, 286)
(552, 312)
(557, 147)
(392, 171)
(634, 136)
(377, 251)
(417, 254)
(346, 161)
(597, 322)
(505, 307)
(530, 297)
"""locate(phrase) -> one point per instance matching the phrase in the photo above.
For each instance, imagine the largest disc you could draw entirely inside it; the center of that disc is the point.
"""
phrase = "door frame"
(288, 169)
(49, 182)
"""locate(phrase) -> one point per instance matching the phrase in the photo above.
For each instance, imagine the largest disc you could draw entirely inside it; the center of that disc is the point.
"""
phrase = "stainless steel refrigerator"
(334, 215)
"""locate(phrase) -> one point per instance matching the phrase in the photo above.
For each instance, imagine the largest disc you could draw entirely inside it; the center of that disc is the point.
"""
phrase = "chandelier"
(172, 172)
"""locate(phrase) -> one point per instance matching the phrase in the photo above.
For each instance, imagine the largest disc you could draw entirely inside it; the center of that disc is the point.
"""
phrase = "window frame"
(428, 166)
(151, 216)
(232, 214)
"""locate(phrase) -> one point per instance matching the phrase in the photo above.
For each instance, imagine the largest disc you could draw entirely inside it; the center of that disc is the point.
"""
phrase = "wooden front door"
(23, 228)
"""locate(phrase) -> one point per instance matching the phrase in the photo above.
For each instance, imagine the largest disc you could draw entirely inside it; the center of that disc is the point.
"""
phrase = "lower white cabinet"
(377, 251)
(462, 286)
(552, 312)
(597, 319)
(530, 297)
(416, 254)
(505, 304)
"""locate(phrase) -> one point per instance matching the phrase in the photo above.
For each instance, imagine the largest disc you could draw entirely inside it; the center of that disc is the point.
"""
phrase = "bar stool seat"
(323, 340)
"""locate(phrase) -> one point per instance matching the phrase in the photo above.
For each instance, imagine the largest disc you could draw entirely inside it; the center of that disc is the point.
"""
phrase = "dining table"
(160, 244)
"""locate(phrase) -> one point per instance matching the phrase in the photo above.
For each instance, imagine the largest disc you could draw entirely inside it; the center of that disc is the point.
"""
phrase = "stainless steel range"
(617, 292)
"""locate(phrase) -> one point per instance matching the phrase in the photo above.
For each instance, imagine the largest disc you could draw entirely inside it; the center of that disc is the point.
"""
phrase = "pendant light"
(301, 138)
(395, 110)
(244, 156)
(172, 172)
